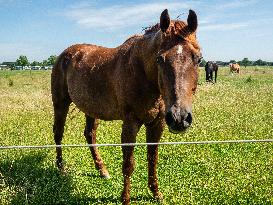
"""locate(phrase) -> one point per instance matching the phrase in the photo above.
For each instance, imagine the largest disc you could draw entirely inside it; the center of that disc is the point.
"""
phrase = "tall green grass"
(236, 107)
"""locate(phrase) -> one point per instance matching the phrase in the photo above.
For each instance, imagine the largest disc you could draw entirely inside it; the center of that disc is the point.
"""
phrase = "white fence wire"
(134, 144)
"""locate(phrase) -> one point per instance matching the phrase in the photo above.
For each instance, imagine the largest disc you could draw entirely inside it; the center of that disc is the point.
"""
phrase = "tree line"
(23, 61)
(245, 62)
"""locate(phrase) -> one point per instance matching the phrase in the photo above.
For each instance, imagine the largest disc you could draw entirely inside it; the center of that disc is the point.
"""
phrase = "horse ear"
(164, 20)
(192, 21)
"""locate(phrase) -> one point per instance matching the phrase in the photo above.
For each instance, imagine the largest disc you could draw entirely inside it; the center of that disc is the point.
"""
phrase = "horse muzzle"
(177, 120)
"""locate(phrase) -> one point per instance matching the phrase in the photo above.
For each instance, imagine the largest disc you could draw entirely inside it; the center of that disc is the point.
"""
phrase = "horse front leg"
(153, 134)
(207, 76)
(130, 129)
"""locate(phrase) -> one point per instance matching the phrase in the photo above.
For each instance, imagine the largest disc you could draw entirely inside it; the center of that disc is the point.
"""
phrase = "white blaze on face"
(180, 49)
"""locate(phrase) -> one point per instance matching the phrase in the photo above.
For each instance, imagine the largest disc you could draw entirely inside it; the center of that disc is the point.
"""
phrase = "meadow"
(236, 107)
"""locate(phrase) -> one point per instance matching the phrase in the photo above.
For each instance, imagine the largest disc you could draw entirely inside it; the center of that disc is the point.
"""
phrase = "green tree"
(22, 61)
(44, 63)
(232, 61)
(260, 62)
(51, 60)
(35, 63)
(203, 63)
(245, 62)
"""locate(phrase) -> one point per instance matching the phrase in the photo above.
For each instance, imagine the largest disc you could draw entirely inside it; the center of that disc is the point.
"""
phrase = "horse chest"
(147, 106)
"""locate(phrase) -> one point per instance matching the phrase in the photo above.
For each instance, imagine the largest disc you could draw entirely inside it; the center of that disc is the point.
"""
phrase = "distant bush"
(249, 79)
(10, 82)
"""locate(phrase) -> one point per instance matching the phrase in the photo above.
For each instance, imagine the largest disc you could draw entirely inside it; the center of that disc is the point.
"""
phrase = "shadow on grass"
(34, 182)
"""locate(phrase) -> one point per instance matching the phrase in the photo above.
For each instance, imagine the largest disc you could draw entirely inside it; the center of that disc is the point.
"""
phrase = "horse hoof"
(159, 197)
(126, 203)
(105, 174)
(125, 198)
(63, 172)
(61, 167)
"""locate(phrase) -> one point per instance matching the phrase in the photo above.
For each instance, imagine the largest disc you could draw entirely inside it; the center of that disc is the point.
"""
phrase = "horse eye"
(193, 57)
(196, 58)
(160, 59)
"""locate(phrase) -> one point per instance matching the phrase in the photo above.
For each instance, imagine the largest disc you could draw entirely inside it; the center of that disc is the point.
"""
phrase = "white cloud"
(120, 16)
(225, 16)
(223, 27)
(234, 4)
(90, 16)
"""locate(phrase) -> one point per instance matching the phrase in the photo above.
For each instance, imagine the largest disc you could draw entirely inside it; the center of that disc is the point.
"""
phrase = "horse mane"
(151, 29)
(127, 44)
(177, 28)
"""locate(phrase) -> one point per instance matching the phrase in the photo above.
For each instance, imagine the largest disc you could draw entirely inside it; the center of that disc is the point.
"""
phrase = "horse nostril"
(188, 120)
(169, 118)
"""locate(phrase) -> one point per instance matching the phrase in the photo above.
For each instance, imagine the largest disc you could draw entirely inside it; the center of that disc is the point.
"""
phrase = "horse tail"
(59, 88)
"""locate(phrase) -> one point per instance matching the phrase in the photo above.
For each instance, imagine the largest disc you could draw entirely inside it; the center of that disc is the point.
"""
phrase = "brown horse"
(234, 67)
(150, 78)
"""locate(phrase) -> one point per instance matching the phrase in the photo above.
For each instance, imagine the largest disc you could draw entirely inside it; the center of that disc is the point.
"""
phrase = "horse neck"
(148, 50)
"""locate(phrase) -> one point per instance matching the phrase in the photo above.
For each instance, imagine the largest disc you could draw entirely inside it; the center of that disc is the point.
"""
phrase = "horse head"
(177, 60)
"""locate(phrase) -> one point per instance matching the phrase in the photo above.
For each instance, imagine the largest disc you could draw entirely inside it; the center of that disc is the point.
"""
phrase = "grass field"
(236, 107)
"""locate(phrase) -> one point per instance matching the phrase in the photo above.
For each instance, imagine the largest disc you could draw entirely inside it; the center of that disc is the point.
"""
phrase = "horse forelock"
(177, 28)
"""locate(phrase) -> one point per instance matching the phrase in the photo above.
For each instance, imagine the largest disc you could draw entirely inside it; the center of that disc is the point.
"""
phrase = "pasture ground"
(236, 107)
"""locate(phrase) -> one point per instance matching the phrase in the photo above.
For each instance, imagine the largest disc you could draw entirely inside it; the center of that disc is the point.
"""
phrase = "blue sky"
(227, 30)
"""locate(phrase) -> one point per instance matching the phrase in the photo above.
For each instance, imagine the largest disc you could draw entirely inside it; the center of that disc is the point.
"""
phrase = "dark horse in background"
(211, 67)
(149, 80)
